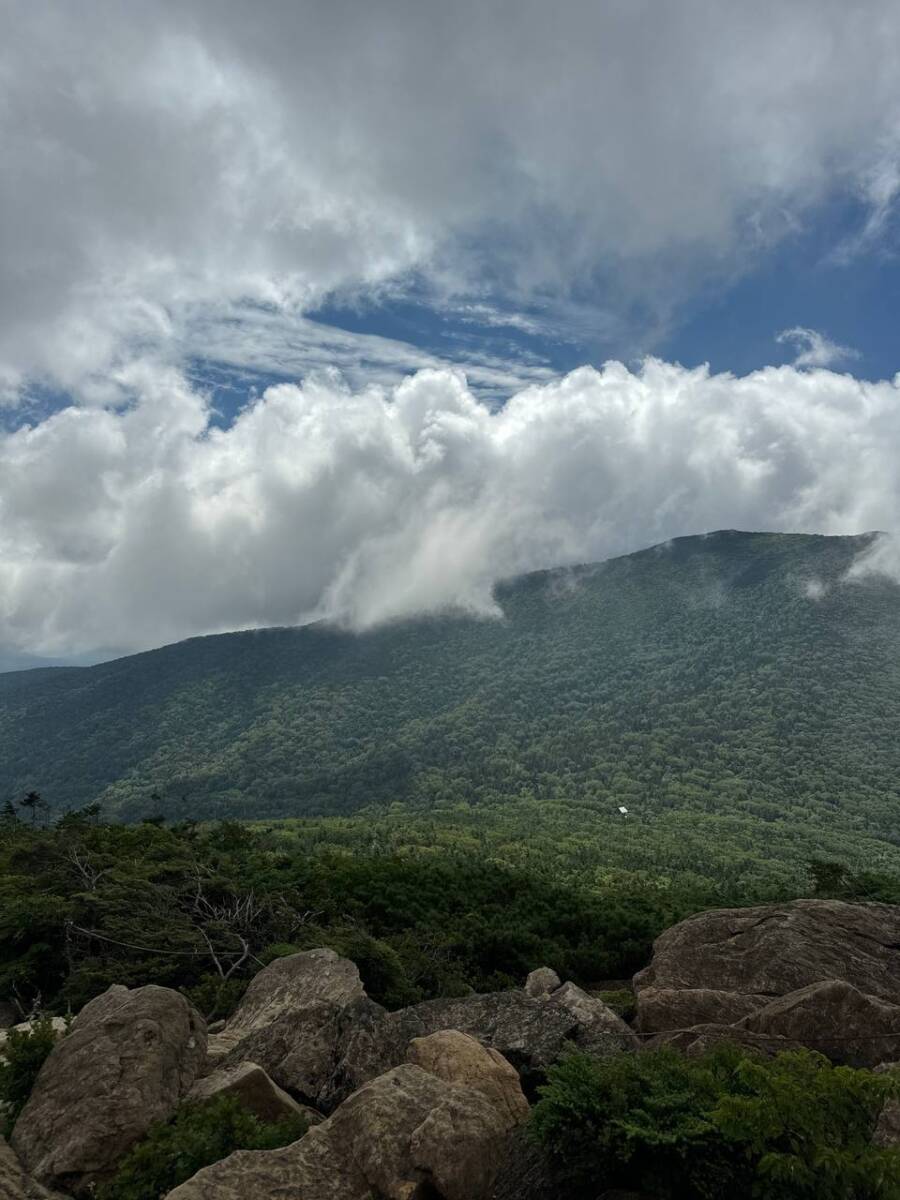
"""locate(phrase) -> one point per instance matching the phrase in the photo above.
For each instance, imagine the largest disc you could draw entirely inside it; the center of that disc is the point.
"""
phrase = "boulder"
(403, 1136)
(598, 1031)
(834, 1018)
(530, 1033)
(682, 1008)
(767, 951)
(542, 982)
(696, 1041)
(527, 1172)
(127, 1061)
(15, 1183)
(458, 1058)
(294, 1019)
(255, 1090)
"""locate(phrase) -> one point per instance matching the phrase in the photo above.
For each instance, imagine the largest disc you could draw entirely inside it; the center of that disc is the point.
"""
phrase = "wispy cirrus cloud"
(814, 349)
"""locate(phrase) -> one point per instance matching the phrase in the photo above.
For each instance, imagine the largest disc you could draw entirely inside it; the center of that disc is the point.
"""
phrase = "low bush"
(22, 1057)
(196, 1136)
(791, 1128)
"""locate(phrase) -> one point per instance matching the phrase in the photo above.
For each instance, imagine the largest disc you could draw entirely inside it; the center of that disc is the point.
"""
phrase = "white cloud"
(121, 529)
(161, 156)
(814, 349)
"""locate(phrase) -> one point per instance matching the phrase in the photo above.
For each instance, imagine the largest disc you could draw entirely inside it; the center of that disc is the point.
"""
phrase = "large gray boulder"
(403, 1136)
(295, 1018)
(531, 1033)
(741, 958)
(127, 1061)
(834, 1018)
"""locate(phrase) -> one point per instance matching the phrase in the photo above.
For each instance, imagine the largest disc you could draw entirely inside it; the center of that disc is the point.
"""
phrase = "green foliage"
(196, 1136)
(793, 1128)
(621, 1001)
(21, 1059)
(80, 908)
(745, 727)
(216, 997)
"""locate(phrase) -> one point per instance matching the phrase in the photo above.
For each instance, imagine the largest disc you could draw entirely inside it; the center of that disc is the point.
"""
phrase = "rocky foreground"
(424, 1103)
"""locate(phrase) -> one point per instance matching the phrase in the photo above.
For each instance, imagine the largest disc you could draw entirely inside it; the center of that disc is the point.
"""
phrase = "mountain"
(729, 690)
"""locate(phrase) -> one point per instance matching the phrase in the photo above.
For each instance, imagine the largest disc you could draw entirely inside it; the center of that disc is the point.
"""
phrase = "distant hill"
(725, 676)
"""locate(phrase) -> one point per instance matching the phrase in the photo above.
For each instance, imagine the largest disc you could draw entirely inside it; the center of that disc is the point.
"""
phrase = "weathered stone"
(127, 1061)
(681, 1008)
(458, 1058)
(403, 1136)
(529, 1033)
(294, 1019)
(255, 1090)
(542, 982)
(527, 1172)
(15, 1183)
(696, 1041)
(769, 951)
(598, 1030)
(836, 1019)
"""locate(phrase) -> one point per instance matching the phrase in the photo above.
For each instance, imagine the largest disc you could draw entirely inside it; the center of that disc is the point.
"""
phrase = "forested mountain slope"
(732, 677)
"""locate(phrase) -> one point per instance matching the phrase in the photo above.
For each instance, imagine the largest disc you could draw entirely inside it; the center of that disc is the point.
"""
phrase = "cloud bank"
(122, 529)
(164, 156)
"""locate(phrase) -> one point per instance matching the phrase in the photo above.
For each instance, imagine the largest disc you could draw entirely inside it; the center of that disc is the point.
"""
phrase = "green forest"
(733, 692)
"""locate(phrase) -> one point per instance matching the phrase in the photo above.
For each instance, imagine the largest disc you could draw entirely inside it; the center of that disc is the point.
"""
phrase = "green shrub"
(621, 1001)
(792, 1128)
(215, 997)
(197, 1135)
(22, 1058)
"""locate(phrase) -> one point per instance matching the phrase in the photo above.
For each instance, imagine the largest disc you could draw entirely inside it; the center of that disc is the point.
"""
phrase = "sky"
(346, 311)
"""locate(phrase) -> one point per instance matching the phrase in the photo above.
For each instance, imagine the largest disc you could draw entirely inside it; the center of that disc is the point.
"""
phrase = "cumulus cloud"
(165, 155)
(121, 529)
(814, 349)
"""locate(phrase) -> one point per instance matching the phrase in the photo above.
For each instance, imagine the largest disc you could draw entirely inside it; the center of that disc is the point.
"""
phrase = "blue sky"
(304, 309)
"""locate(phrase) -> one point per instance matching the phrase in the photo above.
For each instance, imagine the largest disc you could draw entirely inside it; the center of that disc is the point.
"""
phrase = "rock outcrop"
(696, 1041)
(834, 1018)
(458, 1058)
(294, 1019)
(598, 1030)
(723, 966)
(255, 1090)
(529, 1032)
(403, 1136)
(127, 1061)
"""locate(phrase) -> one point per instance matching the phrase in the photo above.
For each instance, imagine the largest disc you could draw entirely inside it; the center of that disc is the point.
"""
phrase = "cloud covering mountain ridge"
(121, 529)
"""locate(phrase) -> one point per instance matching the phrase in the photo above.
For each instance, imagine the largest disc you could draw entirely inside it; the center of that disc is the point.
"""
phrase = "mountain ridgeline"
(731, 691)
